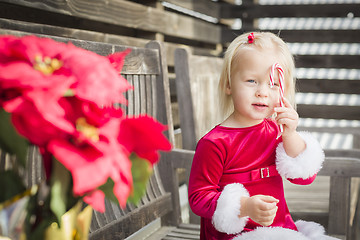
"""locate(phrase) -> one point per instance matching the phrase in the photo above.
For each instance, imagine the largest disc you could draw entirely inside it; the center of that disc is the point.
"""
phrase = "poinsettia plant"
(61, 98)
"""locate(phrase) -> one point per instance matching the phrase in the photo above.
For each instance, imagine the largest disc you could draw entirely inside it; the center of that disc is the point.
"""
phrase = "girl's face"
(253, 98)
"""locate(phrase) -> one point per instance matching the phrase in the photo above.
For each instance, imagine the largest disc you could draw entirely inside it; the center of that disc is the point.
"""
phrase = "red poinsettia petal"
(122, 192)
(100, 116)
(98, 81)
(27, 47)
(143, 135)
(118, 59)
(96, 200)
(13, 104)
(5, 51)
(90, 176)
(31, 124)
(86, 165)
(20, 75)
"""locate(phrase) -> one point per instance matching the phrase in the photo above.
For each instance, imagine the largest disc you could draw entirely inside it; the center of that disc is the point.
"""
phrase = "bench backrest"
(197, 80)
(146, 69)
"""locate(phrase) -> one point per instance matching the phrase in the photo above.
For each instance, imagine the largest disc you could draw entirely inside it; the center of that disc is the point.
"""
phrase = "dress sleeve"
(206, 171)
(303, 168)
(206, 198)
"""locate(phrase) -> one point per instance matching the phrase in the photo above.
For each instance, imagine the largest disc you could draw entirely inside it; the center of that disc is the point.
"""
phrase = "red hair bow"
(251, 38)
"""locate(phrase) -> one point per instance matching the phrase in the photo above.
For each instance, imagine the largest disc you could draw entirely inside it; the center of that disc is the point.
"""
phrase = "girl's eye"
(275, 84)
(251, 81)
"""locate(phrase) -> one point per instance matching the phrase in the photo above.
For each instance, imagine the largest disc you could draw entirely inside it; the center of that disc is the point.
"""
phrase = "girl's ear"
(228, 89)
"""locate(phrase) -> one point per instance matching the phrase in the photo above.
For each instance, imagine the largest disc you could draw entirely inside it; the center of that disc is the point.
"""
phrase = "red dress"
(222, 157)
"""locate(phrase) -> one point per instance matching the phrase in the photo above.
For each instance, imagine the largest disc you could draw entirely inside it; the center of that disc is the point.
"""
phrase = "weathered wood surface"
(328, 61)
(344, 86)
(87, 35)
(34, 176)
(184, 231)
(197, 83)
(129, 15)
(303, 36)
(199, 6)
(248, 10)
(329, 111)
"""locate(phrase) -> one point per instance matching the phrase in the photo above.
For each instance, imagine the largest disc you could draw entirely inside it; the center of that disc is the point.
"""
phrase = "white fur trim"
(226, 216)
(306, 231)
(306, 164)
(271, 233)
(312, 230)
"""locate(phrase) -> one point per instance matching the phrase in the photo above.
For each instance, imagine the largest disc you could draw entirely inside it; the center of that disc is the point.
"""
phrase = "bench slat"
(341, 167)
(327, 61)
(134, 220)
(323, 111)
(343, 86)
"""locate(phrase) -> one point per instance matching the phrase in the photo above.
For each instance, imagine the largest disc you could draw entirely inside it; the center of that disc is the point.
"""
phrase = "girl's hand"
(260, 208)
(288, 117)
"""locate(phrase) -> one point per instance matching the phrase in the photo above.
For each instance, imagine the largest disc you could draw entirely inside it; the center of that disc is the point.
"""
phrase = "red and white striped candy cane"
(281, 83)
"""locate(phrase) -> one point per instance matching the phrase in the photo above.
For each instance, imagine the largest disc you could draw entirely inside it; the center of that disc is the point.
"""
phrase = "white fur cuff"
(311, 230)
(226, 216)
(306, 164)
(271, 233)
(307, 231)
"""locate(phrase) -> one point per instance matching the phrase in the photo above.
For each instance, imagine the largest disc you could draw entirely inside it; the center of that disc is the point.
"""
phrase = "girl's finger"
(288, 115)
(269, 199)
(280, 109)
(287, 103)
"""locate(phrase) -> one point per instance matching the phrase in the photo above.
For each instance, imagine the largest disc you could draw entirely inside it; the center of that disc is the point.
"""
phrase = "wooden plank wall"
(126, 22)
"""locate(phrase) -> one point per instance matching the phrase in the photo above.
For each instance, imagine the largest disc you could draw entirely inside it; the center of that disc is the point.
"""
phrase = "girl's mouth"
(260, 105)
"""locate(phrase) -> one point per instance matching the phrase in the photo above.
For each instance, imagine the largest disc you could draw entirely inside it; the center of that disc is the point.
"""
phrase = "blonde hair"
(262, 40)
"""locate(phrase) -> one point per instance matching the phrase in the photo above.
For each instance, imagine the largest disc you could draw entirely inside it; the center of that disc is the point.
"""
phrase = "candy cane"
(281, 83)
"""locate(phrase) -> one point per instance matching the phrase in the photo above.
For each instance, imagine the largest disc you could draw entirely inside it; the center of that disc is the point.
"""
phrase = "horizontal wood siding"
(330, 86)
(130, 15)
(248, 10)
(303, 36)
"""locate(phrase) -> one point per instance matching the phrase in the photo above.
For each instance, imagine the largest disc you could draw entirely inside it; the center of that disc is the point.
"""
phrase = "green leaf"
(10, 140)
(10, 185)
(141, 171)
(108, 188)
(60, 183)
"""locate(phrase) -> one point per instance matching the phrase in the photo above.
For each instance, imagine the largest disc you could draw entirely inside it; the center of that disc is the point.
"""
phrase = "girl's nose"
(262, 90)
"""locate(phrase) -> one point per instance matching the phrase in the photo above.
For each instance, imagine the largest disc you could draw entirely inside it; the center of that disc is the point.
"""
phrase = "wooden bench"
(158, 213)
(338, 167)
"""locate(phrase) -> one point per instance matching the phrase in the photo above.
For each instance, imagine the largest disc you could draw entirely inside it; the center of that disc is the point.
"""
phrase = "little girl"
(236, 177)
